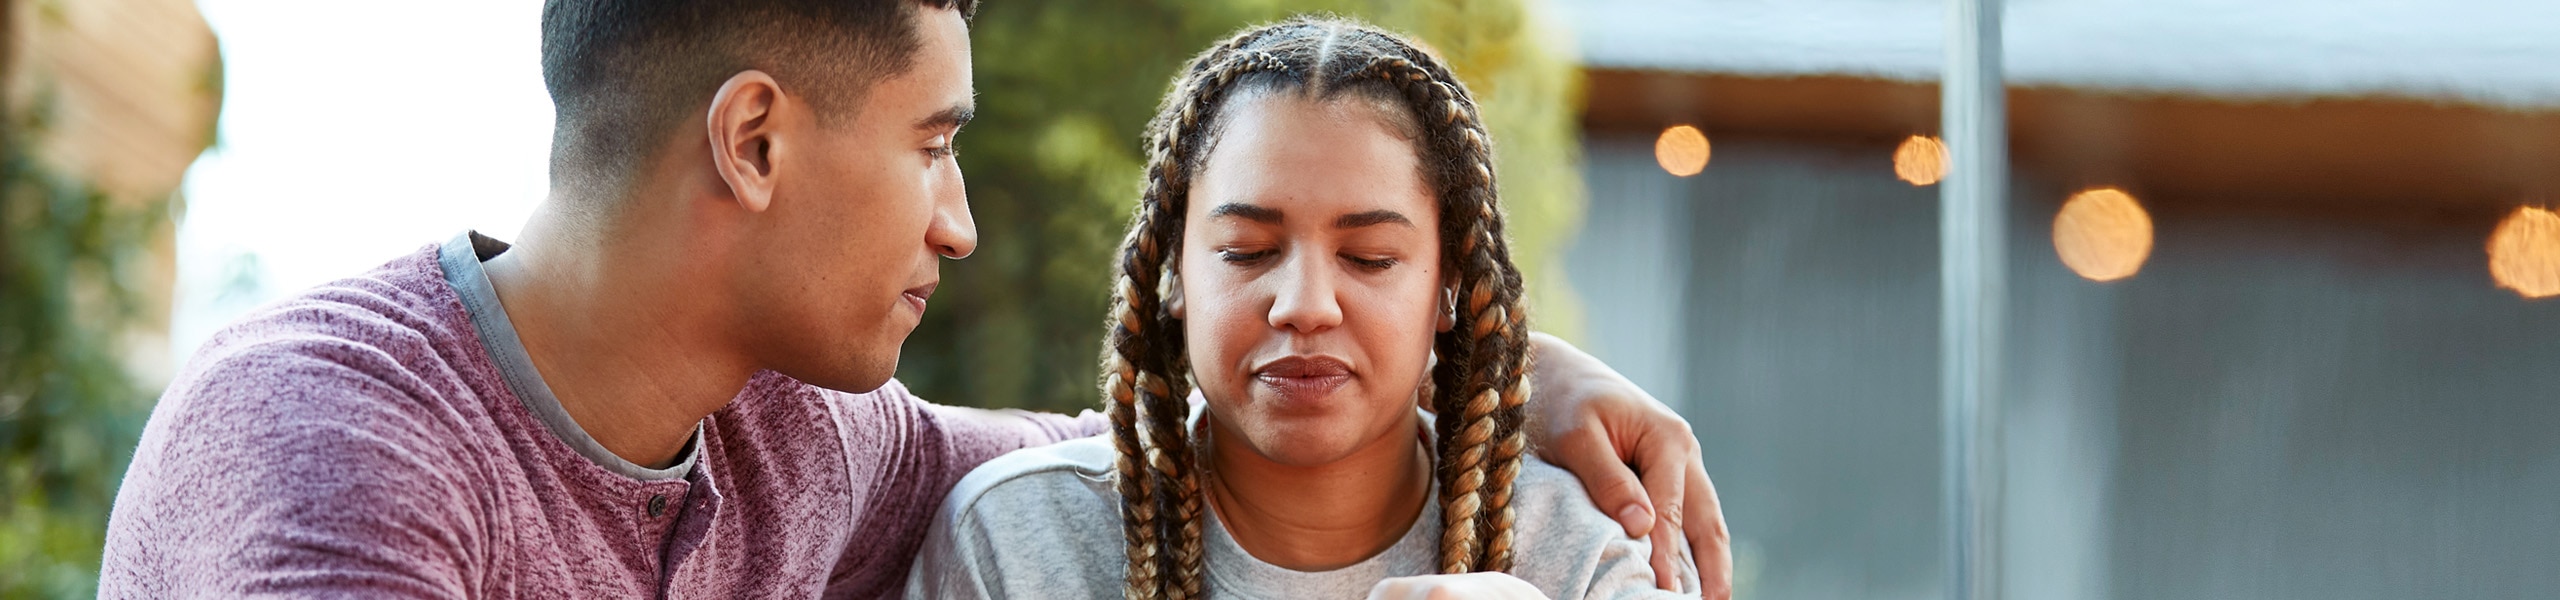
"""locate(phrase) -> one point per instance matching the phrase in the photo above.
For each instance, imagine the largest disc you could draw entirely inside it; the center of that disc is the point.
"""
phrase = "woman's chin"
(1308, 442)
(1293, 447)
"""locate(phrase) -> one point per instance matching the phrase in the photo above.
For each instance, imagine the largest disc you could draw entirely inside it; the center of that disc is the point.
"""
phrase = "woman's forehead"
(1318, 158)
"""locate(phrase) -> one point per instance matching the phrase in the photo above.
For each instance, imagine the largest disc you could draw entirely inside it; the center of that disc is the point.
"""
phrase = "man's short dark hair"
(621, 72)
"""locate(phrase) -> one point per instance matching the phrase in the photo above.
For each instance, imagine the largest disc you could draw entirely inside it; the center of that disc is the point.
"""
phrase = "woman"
(1319, 250)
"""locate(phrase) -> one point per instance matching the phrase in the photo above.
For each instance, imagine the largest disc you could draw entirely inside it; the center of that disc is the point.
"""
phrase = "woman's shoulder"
(1548, 500)
(1035, 523)
(1567, 546)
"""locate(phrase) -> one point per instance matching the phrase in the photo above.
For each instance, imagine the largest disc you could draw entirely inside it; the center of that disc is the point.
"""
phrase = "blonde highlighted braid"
(1478, 385)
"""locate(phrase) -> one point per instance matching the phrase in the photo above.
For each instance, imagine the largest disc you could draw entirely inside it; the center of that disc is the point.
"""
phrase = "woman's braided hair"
(1478, 385)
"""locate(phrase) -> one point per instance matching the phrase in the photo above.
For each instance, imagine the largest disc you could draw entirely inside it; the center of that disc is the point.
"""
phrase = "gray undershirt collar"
(461, 258)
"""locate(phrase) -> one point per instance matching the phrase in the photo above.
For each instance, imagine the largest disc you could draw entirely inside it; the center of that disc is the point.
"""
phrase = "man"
(677, 382)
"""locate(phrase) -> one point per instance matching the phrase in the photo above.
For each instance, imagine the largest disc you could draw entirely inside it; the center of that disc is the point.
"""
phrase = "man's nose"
(953, 234)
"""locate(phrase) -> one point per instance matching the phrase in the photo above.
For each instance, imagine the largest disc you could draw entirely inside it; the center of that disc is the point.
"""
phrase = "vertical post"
(1972, 280)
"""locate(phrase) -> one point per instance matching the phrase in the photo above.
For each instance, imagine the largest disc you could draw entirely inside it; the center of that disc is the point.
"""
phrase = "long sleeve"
(905, 454)
(293, 472)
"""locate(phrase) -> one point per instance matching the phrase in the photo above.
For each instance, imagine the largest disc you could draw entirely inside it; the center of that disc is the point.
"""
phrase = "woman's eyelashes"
(1243, 257)
(1252, 258)
(1372, 264)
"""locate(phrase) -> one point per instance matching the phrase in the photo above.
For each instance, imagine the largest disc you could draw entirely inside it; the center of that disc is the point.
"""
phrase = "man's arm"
(981, 435)
(905, 454)
(277, 474)
(1639, 460)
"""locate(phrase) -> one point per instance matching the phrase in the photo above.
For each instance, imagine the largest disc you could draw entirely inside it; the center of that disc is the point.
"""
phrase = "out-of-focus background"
(2280, 272)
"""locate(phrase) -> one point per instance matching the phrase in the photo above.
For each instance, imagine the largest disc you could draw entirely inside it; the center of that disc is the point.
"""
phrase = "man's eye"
(943, 147)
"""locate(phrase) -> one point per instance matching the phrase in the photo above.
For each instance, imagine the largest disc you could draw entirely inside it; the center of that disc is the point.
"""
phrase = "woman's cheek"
(1217, 337)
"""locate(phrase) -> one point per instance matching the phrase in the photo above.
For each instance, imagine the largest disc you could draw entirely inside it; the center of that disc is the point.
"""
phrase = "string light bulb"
(1682, 150)
(2102, 234)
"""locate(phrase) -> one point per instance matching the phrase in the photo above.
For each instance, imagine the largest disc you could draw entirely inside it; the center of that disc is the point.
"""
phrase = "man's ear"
(742, 132)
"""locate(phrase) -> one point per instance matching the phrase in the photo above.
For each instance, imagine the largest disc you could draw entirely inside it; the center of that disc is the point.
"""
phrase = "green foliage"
(69, 415)
(1065, 90)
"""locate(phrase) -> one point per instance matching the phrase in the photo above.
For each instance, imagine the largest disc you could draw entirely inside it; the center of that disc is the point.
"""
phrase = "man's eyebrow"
(950, 118)
(1250, 212)
(1375, 217)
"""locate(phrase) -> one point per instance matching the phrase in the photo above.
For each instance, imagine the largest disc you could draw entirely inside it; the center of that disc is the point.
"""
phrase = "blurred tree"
(69, 413)
(105, 103)
(1066, 87)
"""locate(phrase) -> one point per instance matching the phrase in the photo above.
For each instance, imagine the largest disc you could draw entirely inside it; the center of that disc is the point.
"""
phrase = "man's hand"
(1488, 585)
(1590, 420)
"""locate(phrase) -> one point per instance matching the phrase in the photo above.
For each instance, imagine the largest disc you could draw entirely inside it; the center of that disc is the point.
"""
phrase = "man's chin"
(853, 379)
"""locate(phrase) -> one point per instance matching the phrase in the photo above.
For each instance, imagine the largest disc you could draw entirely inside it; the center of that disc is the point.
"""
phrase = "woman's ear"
(1173, 295)
(1448, 308)
(741, 130)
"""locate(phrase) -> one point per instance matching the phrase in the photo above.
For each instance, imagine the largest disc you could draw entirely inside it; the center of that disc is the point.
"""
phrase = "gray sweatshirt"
(1045, 523)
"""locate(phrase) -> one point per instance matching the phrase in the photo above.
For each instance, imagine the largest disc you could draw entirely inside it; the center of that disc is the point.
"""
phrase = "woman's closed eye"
(1371, 264)
(1249, 258)
(1241, 257)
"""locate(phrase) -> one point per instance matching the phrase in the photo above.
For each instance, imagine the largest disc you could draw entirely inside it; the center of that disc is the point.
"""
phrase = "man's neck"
(619, 331)
(1325, 517)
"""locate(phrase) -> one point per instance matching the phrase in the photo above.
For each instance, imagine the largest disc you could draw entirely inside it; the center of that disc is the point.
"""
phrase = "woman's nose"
(1305, 301)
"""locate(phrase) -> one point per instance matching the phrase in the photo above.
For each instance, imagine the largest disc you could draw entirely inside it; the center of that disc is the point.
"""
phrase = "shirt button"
(657, 505)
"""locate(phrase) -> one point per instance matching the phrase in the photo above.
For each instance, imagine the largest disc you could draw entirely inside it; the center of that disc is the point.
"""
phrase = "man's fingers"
(1613, 486)
(1665, 482)
(1666, 558)
(1709, 541)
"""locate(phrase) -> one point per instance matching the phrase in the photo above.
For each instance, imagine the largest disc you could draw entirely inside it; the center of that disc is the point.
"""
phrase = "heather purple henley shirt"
(387, 436)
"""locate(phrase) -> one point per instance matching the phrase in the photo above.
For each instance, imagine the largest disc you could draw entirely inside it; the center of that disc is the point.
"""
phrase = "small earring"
(1449, 306)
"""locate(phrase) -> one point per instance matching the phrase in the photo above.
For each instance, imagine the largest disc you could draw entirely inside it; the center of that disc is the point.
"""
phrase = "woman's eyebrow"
(1250, 212)
(1375, 217)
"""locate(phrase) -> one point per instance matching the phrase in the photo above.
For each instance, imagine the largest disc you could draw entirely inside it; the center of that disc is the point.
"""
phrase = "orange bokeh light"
(2524, 253)
(1682, 150)
(1922, 160)
(2102, 234)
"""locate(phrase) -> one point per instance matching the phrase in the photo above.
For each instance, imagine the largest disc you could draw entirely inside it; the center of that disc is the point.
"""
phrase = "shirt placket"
(686, 530)
(654, 510)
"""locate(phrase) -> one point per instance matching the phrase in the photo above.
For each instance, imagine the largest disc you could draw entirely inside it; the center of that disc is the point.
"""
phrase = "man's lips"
(916, 296)
(1304, 377)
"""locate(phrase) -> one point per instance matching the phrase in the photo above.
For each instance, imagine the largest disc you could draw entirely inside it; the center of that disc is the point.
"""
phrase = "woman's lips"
(1302, 378)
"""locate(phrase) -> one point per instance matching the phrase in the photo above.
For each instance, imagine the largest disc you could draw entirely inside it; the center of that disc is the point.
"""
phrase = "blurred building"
(120, 95)
(2287, 368)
